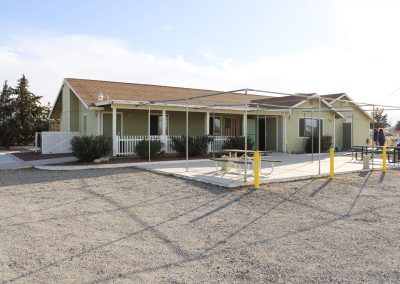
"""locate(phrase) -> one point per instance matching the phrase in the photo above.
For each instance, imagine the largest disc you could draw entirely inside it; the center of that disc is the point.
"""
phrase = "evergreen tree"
(7, 121)
(381, 119)
(29, 114)
(6, 103)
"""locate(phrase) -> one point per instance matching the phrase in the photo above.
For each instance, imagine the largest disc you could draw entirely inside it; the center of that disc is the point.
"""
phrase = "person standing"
(381, 137)
(375, 137)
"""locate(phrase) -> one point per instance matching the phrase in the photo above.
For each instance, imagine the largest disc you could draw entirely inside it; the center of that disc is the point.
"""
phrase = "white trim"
(207, 123)
(98, 117)
(230, 117)
(322, 99)
(96, 108)
(277, 135)
(110, 112)
(55, 101)
(220, 119)
(351, 101)
(160, 114)
(69, 111)
(334, 131)
(284, 124)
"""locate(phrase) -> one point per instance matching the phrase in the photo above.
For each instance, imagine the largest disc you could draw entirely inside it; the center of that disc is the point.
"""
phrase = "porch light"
(100, 97)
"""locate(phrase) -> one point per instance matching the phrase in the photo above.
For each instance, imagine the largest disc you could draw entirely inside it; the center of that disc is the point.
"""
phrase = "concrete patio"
(293, 167)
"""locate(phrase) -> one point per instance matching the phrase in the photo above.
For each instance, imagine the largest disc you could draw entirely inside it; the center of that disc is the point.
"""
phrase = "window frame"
(211, 125)
(309, 118)
(159, 130)
(233, 127)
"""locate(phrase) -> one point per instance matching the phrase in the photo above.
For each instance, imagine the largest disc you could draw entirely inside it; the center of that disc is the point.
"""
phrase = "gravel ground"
(126, 225)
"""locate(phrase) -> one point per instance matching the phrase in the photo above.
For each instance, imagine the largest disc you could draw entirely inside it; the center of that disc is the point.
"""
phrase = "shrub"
(237, 142)
(142, 148)
(325, 144)
(89, 148)
(197, 145)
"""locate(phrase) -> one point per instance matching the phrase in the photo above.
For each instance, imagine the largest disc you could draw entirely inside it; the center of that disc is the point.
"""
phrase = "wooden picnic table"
(234, 160)
(249, 152)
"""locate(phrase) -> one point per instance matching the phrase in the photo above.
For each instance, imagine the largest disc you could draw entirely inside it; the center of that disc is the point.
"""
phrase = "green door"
(252, 130)
(271, 133)
(107, 124)
(346, 135)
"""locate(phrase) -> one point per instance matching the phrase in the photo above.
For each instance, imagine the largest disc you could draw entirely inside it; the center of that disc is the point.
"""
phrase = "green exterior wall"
(74, 112)
(360, 120)
(64, 119)
(295, 143)
(135, 122)
(91, 120)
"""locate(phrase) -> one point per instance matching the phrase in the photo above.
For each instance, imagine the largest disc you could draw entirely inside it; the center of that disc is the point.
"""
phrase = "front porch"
(128, 126)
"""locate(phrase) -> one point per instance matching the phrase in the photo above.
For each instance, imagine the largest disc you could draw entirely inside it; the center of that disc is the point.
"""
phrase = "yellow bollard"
(256, 170)
(332, 162)
(384, 159)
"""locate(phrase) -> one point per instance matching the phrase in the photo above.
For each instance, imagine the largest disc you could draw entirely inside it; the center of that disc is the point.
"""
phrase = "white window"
(308, 127)
(230, 126)
(156, 124)
(215, 126)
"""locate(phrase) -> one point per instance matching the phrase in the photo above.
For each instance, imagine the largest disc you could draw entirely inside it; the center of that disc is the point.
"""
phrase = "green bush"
(325, 144)
(142, 148)
(237, 142)
(197, 145)
(89, 148)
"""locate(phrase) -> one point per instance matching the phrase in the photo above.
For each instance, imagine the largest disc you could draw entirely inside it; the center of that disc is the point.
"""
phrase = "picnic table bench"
(231, 163)
(392, 153)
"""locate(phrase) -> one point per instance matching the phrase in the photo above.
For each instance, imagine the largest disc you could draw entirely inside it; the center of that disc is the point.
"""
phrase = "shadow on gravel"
(139, 225)
(173, 246)
(382, 178)
(32, 176)
(312, 194)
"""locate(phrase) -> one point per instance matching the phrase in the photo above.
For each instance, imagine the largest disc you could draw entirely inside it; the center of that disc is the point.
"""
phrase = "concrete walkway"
(10, 162)
(293, 167)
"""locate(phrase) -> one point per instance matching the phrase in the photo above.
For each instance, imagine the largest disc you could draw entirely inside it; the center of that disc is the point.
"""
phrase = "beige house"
(129, 112)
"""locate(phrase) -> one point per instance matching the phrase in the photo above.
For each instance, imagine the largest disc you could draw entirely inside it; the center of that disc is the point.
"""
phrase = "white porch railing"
(126, 145)
(216, 145)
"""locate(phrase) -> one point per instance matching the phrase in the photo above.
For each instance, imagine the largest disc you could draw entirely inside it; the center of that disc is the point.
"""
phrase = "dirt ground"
(32, 156)
(126, 225)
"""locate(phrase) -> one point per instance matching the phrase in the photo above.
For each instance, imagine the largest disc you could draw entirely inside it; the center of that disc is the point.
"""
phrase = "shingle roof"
(331, 97)
(285, 101)
(88, 90)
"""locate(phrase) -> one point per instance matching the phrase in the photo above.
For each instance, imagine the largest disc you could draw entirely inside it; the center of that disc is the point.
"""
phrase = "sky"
(292, 46)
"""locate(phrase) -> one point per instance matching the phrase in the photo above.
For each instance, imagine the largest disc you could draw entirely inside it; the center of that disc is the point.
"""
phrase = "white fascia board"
(354, 103)
(112, 103)
(55, 101)
(329, 105)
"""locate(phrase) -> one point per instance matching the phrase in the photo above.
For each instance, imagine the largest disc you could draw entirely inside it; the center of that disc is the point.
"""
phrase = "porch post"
(164, 129)
(334, 130)
(114, 131)
(98, 122)
(207, 129)
(284, 133)
(207, 124)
